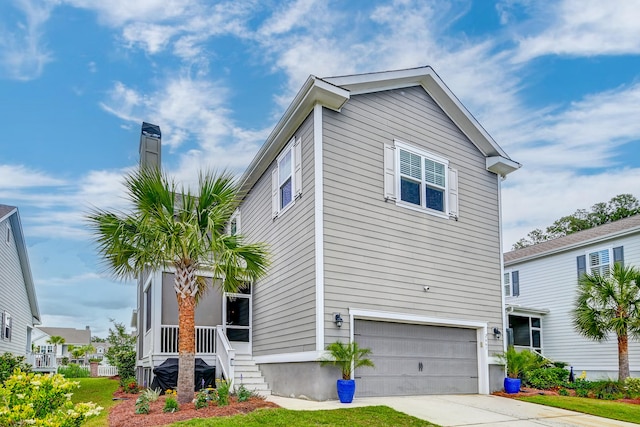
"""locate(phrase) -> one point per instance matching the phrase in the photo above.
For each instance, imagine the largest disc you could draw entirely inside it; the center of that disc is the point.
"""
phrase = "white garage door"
(416, 359)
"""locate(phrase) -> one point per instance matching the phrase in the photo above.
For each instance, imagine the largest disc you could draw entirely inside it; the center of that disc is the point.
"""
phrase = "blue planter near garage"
(511, 385)
(346, 390)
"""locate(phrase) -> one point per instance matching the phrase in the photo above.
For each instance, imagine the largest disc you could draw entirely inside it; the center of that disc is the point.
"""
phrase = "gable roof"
(611, 230)
(334, 92)
(10, 213)
(70, 335)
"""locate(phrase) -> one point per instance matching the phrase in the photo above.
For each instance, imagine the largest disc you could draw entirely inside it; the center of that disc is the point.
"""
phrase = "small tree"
(86, 349)
(122, 352)
(610, 303)
(347, 357)
(55, 340)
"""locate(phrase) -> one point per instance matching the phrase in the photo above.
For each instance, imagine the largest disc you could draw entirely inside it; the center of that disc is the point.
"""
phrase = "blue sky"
(557, 84)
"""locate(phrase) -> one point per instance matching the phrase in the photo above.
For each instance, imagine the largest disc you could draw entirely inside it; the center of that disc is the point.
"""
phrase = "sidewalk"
(472, 410)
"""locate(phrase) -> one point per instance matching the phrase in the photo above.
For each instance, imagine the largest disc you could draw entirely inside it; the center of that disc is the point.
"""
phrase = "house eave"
(516, 308)
(501, 165)
(314, 91)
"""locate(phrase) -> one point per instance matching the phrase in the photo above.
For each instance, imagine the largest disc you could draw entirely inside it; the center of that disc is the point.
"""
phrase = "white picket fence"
(103, 370)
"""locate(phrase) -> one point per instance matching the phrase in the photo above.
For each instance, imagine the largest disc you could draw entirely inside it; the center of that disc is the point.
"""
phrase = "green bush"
(563, 392)
(520, 362)
(41, 400)
(73, 371)
(222, 387)
(546, 378)
(152, 395)
(632, 385)
(170, 405)
(9, 363)
(129, 385)
(142, 404)
(202, 399)
(243, 394)
(607, 389)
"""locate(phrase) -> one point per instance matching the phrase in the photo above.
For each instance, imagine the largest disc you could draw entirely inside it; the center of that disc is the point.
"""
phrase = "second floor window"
(599, 261)
(286, 178)
(511, 283)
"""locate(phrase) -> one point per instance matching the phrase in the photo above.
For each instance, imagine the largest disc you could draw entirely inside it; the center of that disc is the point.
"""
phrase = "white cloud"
(20, 176)
(584, 28)
(23, 54)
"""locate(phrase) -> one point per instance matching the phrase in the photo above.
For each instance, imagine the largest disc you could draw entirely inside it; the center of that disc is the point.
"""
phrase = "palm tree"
(55, 340)
(610, 303)
(185, 231)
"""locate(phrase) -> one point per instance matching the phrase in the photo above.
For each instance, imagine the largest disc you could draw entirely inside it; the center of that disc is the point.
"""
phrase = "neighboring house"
(72, 337)
(101, 349)
(540, 285)
(379, 197)
(19, 311)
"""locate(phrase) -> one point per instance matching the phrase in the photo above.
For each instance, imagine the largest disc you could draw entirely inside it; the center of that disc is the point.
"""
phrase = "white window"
(8, 239)
(147, 308)
(6, 326)
(417, 179)
(234, 223)
(525, 332)
(511, 283)
(599, 262)
(286, 178)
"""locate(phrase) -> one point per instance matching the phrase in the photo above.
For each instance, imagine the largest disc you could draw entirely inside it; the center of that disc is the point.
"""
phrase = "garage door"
(416, 359)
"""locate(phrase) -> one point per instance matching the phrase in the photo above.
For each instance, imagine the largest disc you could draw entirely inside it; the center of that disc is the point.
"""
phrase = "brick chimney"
(150, 145)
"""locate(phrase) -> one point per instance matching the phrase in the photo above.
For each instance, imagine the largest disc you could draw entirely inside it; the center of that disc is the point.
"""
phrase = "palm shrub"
(171, 227)
(347, 357)
(519, 363)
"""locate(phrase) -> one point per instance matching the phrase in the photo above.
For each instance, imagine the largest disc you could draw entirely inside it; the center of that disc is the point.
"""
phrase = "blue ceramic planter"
(346, 390)
(511, 385)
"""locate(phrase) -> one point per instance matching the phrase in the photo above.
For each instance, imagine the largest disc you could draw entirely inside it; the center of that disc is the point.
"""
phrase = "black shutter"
(618, 256)
(515, 283)
(582, 265)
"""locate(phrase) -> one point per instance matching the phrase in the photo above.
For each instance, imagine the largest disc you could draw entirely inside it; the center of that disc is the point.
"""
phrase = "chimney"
(150, 146)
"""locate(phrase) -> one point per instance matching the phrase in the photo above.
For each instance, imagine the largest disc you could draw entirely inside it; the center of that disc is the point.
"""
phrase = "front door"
(237, 319)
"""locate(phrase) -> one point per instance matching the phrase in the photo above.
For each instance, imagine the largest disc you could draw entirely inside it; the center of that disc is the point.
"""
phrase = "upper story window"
(286, 178)
(8, 237)
(6, 326)
(600, 261)
(147, 308)
(417, 179)
(511, 283)
(234, 223)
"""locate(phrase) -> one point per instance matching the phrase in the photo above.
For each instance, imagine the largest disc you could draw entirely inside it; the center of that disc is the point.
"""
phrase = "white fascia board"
(318, 215)
(21, 245)
(501, 165)
(516, 308)
(314, 91)
(414, 318)
(303, 356)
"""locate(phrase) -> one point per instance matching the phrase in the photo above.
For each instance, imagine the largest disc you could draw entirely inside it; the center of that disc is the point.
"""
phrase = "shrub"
(243, 394)
(129, 385)
(9, 363)
(546, 378)
(151, 395)
(607, 389)
(581, 386)
(202, 399)
(223, 392)
(170, 405)
(73, 371)
(142, 404)
(520, 362)
(172, 393)
(632, 385)
(122, 352)
(41, 400)
(563, 392)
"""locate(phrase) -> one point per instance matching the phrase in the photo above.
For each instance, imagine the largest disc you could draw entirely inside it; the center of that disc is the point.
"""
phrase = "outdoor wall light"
(497, 333)
(337, 319)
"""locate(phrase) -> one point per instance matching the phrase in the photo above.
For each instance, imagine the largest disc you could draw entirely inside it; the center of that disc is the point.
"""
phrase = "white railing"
(225, 355)
(205, 339)
(42, 361)
(107, 371)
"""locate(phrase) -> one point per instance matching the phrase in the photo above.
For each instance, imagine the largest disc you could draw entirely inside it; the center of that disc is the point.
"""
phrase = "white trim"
(505, 320)
(303, 356)
(235, 216)
(283, 153)
(7, 239)
(318, 216)
(480, 327)
(588, 252)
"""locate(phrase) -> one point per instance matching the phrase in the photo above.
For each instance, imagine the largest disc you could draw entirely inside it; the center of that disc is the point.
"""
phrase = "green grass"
(99, 391)
(369, 416)
(602, 408)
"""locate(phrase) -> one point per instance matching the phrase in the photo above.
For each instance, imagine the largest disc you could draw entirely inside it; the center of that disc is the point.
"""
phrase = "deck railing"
(205, 339)
(42, 361)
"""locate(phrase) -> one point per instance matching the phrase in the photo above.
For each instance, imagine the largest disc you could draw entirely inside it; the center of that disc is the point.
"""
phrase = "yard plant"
(347, 357)
(171, 227)
(610, 303)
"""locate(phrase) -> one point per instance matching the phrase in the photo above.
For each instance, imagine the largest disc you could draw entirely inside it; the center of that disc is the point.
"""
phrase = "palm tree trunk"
(184, 283)
(623, 357)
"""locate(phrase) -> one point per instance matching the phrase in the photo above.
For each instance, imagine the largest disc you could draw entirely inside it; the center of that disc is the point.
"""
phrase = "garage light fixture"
(337, 319)
(497, 333)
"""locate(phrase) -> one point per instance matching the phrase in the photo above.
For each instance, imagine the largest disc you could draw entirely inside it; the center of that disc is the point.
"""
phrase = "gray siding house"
(379, 196)
(18, 304)
(540, 284)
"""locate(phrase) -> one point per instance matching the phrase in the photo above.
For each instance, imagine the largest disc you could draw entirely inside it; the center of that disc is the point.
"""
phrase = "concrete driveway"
(467, 410)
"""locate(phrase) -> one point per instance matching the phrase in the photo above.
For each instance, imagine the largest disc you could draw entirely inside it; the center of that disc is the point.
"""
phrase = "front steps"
(246, 372)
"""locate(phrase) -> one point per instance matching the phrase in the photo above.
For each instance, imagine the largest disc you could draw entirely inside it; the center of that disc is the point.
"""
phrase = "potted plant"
(347, 357)
(518, 363)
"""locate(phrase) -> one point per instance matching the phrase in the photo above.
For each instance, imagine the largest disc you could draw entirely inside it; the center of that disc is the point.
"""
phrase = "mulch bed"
(123, 414)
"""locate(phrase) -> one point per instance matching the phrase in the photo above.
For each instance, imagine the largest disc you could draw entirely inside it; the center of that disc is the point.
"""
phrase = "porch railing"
(42, 361)
(205, 339)
(225, 356)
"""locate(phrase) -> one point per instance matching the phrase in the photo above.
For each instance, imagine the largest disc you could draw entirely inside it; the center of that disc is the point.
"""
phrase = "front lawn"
(602, 408)
(99, 391)
(369, 416)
